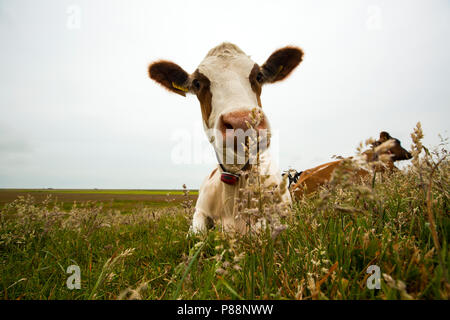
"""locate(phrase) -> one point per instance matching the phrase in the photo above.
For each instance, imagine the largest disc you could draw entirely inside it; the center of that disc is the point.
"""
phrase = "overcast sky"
(77, 109)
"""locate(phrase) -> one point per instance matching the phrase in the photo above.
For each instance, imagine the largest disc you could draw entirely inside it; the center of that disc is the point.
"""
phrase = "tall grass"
(319, 249)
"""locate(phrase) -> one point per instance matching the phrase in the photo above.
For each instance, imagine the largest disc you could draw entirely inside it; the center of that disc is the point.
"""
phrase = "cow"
(228, 85)
(386, 149)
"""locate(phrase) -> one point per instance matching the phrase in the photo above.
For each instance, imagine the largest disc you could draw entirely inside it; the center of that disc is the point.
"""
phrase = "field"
(131, 244)
(124, 200)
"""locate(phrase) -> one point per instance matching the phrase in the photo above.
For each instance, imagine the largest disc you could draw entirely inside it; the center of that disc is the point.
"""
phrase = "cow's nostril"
(240, 120)
(228, 126)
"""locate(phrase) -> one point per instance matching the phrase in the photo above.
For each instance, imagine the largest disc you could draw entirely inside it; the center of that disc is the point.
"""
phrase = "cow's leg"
(200, 222)
(206, 207)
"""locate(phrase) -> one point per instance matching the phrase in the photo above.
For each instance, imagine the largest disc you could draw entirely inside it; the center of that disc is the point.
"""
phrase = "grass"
(400, 223)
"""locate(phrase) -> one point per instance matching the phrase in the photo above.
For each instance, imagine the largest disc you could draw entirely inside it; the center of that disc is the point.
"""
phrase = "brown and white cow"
(386, 150)
(228, 85)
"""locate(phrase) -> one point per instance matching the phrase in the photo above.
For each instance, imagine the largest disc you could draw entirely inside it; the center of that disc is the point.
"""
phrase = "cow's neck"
(230, 191)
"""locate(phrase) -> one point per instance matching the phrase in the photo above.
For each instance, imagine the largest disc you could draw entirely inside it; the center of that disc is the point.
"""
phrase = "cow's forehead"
(220, 69)
(224, 62)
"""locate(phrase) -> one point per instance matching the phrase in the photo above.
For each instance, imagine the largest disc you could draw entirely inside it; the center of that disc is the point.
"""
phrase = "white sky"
(77, 109)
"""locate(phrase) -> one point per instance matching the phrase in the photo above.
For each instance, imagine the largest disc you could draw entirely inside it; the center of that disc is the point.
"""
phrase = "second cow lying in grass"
(385, 151)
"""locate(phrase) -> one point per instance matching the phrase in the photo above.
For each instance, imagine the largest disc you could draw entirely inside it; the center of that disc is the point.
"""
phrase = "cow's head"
(394, 150)
(228, 85)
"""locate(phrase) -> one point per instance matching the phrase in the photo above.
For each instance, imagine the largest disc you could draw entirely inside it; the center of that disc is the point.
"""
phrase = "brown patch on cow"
(255, 84)
(167, 74)
(281, 63)
(312, 179)
(203, 92)
(399, 153)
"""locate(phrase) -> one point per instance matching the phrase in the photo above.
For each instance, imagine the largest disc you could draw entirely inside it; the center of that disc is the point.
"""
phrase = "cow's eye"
(259, 77)
(196, 84)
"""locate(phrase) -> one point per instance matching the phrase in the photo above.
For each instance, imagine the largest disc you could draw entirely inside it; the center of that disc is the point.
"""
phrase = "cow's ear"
(384, 136)
(170, 75)
(281, 63)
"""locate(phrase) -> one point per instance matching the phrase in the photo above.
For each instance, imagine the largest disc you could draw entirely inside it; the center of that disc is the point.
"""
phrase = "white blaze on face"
(228, 70)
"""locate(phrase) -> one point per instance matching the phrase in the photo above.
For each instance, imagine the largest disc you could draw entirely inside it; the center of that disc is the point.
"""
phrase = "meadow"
(124, 200)
(321, 249)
